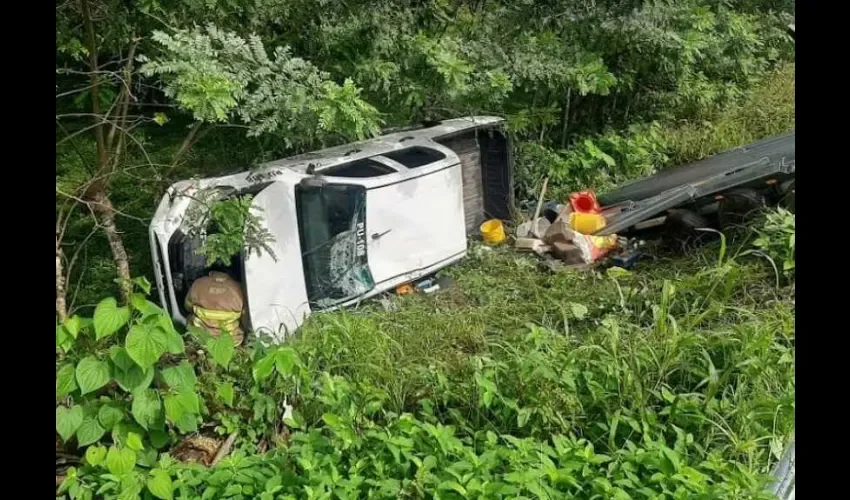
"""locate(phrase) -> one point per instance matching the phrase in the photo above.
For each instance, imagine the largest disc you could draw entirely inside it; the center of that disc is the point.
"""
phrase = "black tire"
(738, 206)
(787, 193)
(682, 228)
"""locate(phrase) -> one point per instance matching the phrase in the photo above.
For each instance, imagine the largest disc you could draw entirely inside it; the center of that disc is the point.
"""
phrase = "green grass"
(716, 334)
(767, 111)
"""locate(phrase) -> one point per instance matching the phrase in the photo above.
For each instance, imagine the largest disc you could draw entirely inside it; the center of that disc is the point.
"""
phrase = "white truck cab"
(348, 222)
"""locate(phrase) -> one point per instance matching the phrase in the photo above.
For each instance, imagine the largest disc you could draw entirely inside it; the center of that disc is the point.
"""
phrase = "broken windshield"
(332, 229)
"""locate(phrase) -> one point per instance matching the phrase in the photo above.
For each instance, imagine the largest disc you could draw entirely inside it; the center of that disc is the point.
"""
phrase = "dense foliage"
(675, 384)
(663, 385)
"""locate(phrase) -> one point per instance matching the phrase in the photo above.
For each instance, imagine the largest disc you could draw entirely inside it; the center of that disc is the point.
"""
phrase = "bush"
(525, 389)
(776, 238)
(599, 162)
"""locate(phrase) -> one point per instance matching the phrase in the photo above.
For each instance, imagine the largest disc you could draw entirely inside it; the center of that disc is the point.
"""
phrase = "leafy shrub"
(776, 237)
(598, 162)
(648, 391)
(125, 372)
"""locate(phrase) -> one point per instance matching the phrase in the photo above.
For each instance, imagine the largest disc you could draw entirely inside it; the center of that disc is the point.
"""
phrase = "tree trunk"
(566, 119)
(61, 307)
(105, 212)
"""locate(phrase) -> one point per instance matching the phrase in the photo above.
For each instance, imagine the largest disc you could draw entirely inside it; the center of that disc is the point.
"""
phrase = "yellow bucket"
(493, 231)
(586, 223)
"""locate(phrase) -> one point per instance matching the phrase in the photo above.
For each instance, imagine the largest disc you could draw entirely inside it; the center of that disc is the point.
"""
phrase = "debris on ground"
(428, 284)
(197, 449)
(533, 229)
(493, 231)
(564, 235)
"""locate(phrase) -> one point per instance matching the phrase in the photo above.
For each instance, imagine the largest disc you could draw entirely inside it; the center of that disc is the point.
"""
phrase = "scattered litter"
(493, 231)
(564, 236)
(426, 285)
(551, 210)
(627, 259)
(586, 222)
(533, 229)
(585, 202)
(576, 248)
(535, 245)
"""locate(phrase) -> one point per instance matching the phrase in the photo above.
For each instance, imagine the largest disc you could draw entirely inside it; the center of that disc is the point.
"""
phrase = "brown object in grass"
(197, 449)
(224, 449)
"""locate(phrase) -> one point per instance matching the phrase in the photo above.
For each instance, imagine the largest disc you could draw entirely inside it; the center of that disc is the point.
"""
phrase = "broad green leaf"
(120, 358)
(73, 325)
(63, 338)
(92, 374)
(95, 455)
(134, 379)
(221, 349)
(187, 424)
(669, 463)
(180, 404)
(109, 318)
(134, 442)
(66, 381)
(120, 460)
(123, 429)
(147, 457)
(143, 283)
(264, 367)
(295, 420)
(286, 359)
(158, 438)
(144, 306)
(451, 485)
(68, 420)
(180, 376)
(109, 416)
(146, 407)
(224, 392)
(522, 417)
(90, 431)
(159, 484)
(174, 341)
(146, 345)
(199, 334)
(174, 409)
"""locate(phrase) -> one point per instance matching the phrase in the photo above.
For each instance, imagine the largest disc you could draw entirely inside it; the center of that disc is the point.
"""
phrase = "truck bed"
(771, 159)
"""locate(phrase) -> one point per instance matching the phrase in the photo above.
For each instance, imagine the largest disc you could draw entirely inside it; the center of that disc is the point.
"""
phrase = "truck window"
(415, 157)
(359, 168)
(332, 231)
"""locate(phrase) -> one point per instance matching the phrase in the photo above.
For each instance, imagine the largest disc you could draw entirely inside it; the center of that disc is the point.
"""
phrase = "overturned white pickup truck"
(348, 222)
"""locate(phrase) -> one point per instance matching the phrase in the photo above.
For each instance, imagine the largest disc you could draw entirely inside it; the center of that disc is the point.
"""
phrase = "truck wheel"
(738, 206)
(682, 228)
(787, 191)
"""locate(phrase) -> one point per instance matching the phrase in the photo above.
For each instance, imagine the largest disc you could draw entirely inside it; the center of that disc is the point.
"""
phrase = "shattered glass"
(332, 228)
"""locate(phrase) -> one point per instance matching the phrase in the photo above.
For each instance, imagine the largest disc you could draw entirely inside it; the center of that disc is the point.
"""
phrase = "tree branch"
(95, 82)
(188, 141)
